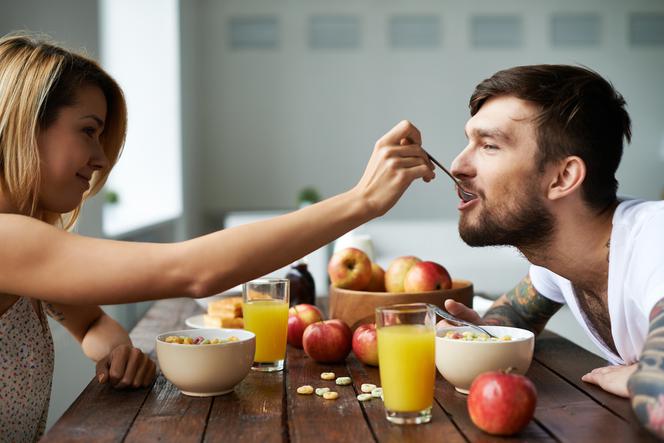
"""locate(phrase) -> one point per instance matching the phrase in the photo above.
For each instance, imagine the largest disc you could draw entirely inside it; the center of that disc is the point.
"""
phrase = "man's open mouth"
(464, 195)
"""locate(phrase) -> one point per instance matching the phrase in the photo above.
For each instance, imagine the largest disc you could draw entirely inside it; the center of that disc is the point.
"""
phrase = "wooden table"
(265, 407)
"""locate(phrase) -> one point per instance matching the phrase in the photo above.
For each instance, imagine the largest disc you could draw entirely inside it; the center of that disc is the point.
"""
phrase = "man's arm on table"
(646, 385)
(522, 307)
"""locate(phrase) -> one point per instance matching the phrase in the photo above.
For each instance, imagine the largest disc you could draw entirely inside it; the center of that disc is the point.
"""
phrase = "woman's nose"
(99, 161)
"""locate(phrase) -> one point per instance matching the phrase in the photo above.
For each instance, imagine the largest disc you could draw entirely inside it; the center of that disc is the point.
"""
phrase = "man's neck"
(579, 249)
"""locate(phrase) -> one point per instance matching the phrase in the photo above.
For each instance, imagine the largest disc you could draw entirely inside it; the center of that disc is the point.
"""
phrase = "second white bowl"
(460, 361)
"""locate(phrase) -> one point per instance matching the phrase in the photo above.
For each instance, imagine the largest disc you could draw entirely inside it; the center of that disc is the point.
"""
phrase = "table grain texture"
(265, 408)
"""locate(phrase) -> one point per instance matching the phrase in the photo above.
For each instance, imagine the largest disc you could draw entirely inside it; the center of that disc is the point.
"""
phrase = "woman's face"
(70, 151)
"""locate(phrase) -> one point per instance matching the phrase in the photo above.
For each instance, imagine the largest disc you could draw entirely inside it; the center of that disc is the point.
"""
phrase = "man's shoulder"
(637, 215)
(638, 212)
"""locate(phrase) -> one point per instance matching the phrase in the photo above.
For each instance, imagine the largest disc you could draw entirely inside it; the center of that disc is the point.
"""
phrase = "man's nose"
(460, 167)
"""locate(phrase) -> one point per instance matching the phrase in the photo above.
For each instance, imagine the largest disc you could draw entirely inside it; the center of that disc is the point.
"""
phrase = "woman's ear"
(569, 174)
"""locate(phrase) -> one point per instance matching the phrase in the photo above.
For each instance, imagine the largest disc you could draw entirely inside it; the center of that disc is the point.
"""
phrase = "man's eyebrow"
(489, 132)
(99, 121)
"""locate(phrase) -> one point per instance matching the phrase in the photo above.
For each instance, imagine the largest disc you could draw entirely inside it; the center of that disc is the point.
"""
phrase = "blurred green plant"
(308, 194)
(111, 197)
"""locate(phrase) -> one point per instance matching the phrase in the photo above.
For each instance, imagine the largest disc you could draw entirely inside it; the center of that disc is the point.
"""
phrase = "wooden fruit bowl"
(359, 307)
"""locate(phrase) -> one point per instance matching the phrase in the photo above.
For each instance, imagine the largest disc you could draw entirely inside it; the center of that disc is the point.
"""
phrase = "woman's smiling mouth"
(84, 180)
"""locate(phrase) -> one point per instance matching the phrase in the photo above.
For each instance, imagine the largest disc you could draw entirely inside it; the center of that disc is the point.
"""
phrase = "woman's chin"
(61, 207)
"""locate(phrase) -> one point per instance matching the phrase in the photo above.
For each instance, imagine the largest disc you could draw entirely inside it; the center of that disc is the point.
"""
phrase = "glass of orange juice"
(265, 312)
(406, 344)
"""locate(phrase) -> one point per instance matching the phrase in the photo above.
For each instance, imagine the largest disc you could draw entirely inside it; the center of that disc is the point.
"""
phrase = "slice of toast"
(230, 305)
(217, 321)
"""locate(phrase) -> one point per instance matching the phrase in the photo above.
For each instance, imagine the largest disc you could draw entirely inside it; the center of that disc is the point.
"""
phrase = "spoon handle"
(437, 163)
(465, 195)
(449, 317)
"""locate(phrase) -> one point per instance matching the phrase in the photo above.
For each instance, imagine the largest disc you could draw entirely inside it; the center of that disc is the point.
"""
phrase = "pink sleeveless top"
(26, 372)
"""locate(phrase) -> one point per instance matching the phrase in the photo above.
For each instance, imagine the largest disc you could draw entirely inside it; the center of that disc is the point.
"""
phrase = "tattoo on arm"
(646, 385)
(54, 313)
(523, 307)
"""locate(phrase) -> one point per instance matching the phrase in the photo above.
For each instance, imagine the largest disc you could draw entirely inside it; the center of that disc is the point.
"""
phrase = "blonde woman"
(62, 127)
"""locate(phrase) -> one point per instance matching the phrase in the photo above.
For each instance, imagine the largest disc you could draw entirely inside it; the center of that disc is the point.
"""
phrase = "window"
(140, 48)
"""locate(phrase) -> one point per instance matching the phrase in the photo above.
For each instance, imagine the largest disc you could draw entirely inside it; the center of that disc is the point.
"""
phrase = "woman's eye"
(89, 131)
(490, 147)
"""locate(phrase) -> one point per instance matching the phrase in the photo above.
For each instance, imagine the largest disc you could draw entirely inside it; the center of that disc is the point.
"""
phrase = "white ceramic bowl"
(206, 370)
(460, 361)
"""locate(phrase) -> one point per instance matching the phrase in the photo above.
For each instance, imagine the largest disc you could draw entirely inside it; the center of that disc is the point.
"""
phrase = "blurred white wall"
(275, 120)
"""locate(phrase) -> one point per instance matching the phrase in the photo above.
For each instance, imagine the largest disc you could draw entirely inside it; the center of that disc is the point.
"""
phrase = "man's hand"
(612, 379)
(126, 366)
(461, 311)
(522, 307)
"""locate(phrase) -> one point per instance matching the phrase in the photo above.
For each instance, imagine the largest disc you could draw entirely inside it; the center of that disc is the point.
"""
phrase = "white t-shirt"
(636, 279)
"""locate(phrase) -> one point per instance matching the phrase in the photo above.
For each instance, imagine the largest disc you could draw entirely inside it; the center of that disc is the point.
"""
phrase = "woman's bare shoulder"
(16, 221)
(21, 228)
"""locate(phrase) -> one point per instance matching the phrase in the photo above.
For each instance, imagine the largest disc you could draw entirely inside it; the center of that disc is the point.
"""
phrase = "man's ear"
(569, 174)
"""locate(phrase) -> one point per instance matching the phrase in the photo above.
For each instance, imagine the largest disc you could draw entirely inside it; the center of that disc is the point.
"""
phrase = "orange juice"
(268, 319)
(407, 367)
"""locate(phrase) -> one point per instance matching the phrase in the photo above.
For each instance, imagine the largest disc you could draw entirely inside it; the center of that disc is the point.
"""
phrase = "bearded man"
(544, 143)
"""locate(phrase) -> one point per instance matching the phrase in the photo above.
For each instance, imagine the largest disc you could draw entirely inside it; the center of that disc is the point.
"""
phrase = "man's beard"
(527, 226)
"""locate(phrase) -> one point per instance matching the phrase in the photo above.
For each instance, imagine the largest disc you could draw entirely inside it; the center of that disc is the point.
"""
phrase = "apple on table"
(365, 344)
(501, 403)
(299, 317)
(327, 341)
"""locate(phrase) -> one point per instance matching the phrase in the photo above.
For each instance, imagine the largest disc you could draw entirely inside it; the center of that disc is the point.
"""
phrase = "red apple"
(377, 282)
(396, 272)
(427, 276)
(350, 268)
(299, 317)
(501, 403)
(327, 341)
(365, 344)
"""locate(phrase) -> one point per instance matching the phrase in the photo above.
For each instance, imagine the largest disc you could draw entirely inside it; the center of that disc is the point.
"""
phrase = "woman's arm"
(40, 261)
(105, 342)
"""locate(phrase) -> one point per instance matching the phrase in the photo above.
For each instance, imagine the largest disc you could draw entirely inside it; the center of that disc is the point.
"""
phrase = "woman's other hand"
(126, 366)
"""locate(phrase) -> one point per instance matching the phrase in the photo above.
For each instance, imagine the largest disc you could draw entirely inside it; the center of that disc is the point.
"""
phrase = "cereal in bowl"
(200, 340)
(472, 336)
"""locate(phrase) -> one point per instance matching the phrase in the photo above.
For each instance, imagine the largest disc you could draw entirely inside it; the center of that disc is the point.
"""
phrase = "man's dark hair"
(580, 114)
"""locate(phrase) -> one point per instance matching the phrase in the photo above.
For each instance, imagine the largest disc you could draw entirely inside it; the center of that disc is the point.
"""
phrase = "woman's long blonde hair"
(37, 79)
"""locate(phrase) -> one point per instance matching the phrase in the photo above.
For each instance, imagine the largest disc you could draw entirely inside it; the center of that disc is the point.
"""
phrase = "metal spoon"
(449, 317)
(465, 195)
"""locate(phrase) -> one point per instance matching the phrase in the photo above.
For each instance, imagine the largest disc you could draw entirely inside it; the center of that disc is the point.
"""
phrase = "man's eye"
(490, 147)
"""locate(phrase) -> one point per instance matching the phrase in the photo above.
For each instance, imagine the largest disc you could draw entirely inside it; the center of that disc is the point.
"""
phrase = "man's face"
(499, 166)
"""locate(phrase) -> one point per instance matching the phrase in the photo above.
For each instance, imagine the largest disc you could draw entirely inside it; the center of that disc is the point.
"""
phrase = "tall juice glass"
(265, 311)
(406, 349)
